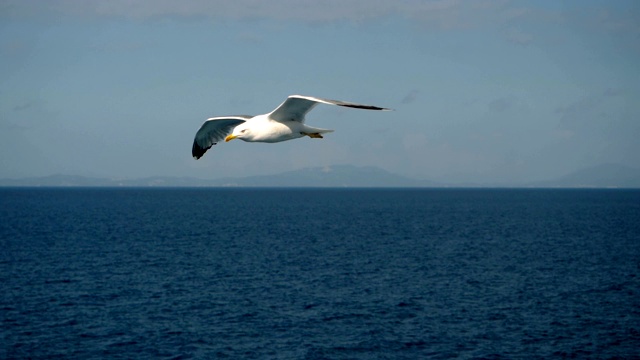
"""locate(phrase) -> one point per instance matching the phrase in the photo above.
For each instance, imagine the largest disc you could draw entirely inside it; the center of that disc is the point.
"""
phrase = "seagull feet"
(312, 135)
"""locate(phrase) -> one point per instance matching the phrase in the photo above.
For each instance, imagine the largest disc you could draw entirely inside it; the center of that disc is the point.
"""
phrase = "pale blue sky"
(483, 91)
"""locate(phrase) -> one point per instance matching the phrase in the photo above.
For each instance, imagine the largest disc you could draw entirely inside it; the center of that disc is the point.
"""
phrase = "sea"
(244, 273)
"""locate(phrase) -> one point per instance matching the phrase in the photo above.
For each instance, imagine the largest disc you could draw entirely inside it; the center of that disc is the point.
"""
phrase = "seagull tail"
(317, 130)
(314, 133)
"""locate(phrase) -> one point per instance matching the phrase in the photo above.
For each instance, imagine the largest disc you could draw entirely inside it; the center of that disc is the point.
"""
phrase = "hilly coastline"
(337, 176)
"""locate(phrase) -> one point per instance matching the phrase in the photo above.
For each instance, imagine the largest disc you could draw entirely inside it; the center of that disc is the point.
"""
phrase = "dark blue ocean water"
(319, 274)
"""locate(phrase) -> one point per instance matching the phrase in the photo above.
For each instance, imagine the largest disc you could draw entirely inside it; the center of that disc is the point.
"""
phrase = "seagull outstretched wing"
(297, 106)
(213, 131)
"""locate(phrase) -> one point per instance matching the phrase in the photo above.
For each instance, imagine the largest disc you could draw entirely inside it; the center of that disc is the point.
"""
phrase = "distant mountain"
(332, 176)
(56, 180)
(81, 181)
(601, 176)
(329, 176)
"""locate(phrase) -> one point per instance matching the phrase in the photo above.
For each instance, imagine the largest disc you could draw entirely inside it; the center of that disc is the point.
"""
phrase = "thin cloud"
(250, 37)
(410, 97)
(23, 106)
(518, 37)
(444, 14)
(589, 113)
(503, 104)
(627, 21)
(613, 92)
(328, 10)
(573, 112)
(429, 14)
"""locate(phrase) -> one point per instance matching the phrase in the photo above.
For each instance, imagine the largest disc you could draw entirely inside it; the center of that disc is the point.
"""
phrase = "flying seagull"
(286, 122)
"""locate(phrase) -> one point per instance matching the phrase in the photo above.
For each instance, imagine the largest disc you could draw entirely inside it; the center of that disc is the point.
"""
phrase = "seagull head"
(241, 131)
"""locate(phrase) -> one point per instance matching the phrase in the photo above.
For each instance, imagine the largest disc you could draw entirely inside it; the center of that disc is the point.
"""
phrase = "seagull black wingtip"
(197, 151)
(366, 107)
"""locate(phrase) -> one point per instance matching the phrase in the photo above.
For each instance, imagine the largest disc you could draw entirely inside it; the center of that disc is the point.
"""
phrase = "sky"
(482, 90)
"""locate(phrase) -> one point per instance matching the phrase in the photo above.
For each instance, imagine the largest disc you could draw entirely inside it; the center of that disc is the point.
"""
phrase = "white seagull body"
(286, 122)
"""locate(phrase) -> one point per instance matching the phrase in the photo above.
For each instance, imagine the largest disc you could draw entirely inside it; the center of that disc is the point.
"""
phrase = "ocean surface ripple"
(319, 273)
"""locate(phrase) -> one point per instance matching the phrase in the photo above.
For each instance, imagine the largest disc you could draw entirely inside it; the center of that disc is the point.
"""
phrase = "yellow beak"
(229, 138)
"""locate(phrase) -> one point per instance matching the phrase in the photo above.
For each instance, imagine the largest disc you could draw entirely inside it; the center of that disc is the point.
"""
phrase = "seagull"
(286, 122)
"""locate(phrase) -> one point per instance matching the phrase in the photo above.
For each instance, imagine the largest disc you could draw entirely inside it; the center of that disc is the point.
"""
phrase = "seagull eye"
(243, 131)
